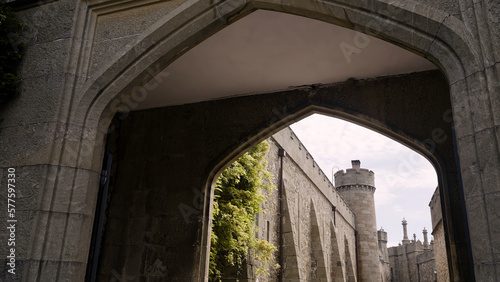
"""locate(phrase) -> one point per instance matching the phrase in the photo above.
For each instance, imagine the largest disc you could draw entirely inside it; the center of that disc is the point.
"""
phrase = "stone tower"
(357, 186)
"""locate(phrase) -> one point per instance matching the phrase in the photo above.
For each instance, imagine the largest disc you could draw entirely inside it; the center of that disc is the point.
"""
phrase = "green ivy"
(238, 198)
(11, 52)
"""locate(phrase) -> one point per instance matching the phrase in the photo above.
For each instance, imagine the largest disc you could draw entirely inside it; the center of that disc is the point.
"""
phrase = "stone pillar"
(405, 232)
(426, 241)
(357, 187)
(50, 157)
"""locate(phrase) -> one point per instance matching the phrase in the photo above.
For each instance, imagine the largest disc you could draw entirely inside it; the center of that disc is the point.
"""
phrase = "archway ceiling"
(267, 51)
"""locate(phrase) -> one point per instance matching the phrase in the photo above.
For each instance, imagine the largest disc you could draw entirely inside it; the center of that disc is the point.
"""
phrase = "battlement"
(355, 176)
(301, 156)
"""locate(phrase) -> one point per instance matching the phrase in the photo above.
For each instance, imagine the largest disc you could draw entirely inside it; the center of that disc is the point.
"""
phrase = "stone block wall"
(399, 264)
(426, 266)
(319, 242)
(443, 274)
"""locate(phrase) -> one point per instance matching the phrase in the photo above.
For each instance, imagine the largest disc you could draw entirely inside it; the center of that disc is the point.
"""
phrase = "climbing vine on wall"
(237, 201)
(11, 52)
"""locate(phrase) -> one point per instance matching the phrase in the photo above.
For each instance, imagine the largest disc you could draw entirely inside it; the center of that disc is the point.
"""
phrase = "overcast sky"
(404, 180)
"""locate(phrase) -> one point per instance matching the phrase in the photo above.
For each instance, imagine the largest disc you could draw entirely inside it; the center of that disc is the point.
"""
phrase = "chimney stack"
(405, 232)
(356, 164)
(426, 242)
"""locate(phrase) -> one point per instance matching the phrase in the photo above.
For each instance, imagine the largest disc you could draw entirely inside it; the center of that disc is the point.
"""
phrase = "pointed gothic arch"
(336, 271)
(432, 33)
(349, 102)
(441, 39)
(318, 253)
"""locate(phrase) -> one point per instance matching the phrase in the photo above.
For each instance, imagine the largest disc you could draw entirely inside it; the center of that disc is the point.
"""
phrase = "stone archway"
(176, 131)
(368, 23)
(68, 152)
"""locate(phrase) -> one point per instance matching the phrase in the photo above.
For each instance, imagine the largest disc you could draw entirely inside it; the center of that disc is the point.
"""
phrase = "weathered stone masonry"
(319, 242)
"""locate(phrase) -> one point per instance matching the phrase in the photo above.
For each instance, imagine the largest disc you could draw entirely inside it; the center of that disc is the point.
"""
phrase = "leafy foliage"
(237, 201)
(11, 52)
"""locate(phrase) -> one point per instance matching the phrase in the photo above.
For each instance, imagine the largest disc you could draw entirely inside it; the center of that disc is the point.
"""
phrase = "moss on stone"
(11, 52)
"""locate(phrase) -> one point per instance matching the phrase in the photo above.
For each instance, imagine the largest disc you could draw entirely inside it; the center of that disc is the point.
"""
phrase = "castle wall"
(309, 218)
(400, 264)
(443, 274)
(296, 150)
(439, 241)
(426, 265)
(315, 237)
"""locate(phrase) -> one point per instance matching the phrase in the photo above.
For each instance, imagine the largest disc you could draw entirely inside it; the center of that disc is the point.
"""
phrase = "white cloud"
(404, 179)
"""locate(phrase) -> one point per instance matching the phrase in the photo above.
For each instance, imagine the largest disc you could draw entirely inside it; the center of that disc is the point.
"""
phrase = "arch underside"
(153, 51)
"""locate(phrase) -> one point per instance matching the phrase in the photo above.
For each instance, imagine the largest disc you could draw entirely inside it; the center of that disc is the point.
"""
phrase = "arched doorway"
(387, 119)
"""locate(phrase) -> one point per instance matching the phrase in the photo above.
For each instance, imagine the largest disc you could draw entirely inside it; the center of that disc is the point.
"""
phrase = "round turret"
(355, 176)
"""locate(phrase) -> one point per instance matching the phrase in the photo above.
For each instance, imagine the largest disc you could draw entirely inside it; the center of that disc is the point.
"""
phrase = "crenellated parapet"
(355, 176)
(357, 187)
